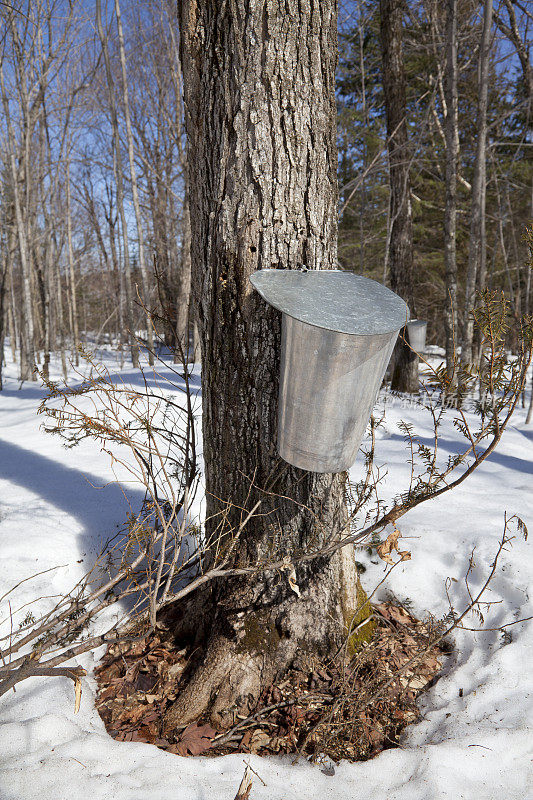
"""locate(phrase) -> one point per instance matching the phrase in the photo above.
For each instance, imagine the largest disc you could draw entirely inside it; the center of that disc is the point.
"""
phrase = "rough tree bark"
(260, 117)
(405, 370)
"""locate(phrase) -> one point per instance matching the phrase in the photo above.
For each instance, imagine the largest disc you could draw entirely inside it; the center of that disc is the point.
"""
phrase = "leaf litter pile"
(343, 709)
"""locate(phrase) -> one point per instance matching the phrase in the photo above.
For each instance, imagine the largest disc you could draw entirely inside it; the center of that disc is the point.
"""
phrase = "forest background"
(94, 223)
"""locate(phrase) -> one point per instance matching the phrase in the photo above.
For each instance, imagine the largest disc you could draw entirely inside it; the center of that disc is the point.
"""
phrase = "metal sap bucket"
(338, 334)
(416, 333)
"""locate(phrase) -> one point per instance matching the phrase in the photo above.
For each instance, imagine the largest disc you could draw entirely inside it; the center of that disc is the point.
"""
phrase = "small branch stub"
(291, 576)
(245, 788)
(77, 693)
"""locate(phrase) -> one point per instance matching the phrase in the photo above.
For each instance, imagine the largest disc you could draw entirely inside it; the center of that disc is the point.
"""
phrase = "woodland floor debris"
(343, 709)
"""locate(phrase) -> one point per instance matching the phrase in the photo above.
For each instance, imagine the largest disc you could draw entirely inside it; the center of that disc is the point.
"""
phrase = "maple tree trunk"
(259, 81)
(405, 371)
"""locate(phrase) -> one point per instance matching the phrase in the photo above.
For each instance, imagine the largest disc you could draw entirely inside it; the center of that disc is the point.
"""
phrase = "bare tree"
(3, 293)
(477, 244)
(117, 162)
(27, 353)
(405, 372)
(157, 119)
(450, 217)
(511, 30)
(73, 305)
(134, 189)
(37, 50)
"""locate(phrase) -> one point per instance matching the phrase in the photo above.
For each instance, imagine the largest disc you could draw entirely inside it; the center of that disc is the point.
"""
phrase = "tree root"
(255, 637)
(226, 683)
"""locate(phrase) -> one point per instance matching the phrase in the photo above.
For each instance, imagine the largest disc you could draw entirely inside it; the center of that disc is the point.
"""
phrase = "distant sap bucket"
(338, 334)
(416, 333)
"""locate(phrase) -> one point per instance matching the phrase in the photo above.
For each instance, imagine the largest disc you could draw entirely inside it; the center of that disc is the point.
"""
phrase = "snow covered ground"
(476, 738)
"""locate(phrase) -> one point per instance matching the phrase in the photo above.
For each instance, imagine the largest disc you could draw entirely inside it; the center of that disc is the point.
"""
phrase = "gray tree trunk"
(12, 308)
(3, 292)
(118, 276)
(261, 122)
(135, 191)
(72, 299)
(117, 164)
(477, 242)
(450, 214)
(529, 416)
(185, 314)
(27, 351)
(183, 277)
(405, 369)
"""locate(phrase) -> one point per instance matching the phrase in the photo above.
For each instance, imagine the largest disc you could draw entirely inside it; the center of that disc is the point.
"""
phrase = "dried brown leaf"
(175, 670)
(258, 740)
(107, 694)
(146, 682)
(126, 689)
(132, 672)
(144, 734)
(399, 615)
(108, 673)
(195, 739)
(151, 715)
(384, 550)
(417, 682)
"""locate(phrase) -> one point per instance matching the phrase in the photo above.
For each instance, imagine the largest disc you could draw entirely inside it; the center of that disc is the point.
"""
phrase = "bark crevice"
(261, 128)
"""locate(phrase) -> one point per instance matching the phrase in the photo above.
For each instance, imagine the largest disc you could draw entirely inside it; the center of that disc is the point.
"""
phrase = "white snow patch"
(475, 740)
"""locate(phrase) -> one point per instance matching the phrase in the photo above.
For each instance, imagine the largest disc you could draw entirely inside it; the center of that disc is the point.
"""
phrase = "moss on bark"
(356, 632)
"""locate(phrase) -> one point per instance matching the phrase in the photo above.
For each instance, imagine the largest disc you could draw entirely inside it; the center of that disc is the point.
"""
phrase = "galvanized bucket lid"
(332, 299)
